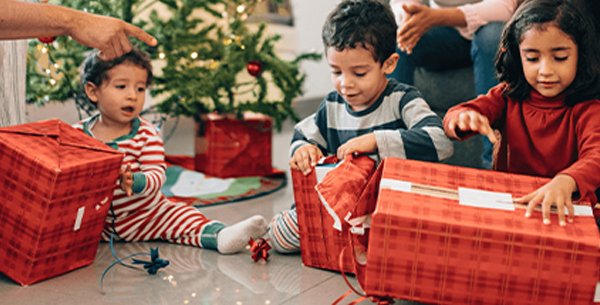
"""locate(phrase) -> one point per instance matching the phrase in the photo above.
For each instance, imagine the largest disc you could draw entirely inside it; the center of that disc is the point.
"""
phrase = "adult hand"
(470, 120)
(364, 143)
(107, 34)
(305, 157)
(558, 193)
(417, 21)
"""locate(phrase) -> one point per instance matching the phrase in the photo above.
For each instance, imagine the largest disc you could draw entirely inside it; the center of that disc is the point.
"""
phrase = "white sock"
(234, 238)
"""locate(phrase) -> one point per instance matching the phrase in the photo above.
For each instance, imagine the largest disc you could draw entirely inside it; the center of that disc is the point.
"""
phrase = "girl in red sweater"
(546, 107)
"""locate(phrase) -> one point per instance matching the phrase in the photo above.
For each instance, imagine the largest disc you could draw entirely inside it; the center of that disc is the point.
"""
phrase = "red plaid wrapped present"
(322, 200)
(435, 237)
(228, 147)
(56, 186)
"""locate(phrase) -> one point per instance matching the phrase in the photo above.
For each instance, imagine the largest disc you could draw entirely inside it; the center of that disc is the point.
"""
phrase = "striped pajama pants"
(283, 232)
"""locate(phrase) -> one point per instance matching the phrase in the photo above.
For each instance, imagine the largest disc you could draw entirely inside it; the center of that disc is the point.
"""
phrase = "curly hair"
(366, 23)
(571, 17)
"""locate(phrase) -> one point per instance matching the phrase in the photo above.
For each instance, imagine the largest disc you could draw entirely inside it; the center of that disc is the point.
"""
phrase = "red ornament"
(47, 39)
(255, 68)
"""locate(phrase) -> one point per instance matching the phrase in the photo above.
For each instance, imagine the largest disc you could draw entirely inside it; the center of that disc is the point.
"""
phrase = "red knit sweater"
(543, 137)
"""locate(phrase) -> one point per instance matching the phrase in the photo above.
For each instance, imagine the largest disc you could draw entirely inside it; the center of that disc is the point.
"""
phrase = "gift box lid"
(54, 140)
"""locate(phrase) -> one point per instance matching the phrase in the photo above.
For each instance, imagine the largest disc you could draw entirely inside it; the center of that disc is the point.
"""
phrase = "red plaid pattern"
(433, 250)
(228, 147)
(56, 186)
(320, 243)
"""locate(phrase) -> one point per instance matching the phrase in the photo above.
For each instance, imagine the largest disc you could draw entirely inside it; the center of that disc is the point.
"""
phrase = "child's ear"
(390, 64)
(92, 91)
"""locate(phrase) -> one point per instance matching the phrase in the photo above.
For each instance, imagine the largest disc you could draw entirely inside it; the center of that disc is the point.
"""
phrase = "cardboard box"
(322, 238)
(227, 147)
(434, 239)
(56, 187)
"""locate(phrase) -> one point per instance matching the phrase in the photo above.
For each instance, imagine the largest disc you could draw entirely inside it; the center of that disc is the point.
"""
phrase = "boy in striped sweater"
(367, 112)
(140, 211)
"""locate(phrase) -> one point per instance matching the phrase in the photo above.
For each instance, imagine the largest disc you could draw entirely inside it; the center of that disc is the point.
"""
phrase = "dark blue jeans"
(443, 48)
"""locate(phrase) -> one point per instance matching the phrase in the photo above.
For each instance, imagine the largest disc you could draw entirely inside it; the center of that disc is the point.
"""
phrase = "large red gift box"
(229, 147)
(435, 237)
(56, 187)
(322, 238)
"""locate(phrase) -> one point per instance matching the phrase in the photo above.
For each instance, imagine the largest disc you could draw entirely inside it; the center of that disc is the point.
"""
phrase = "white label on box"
(395, 185)
(485, 199)
(79, 218)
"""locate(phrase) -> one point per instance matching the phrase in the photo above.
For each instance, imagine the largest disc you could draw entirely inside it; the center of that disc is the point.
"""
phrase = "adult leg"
(486, 42)
(441, 48)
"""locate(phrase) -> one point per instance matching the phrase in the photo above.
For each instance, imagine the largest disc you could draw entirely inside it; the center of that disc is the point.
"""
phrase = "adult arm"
(22, 20)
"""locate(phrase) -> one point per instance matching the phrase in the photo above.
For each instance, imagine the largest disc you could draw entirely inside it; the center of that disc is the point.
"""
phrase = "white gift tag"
(80, 212)
(485, 199)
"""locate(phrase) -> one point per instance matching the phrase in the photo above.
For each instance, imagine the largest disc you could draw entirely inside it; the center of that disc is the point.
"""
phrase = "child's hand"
(556, 193)
(470, 120)
(364, 143)
(305, 157)
(126, 180)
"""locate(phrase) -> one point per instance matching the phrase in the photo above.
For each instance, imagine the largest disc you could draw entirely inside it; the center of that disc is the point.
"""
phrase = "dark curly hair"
(367, 23)
(571, 17)
(94, 69)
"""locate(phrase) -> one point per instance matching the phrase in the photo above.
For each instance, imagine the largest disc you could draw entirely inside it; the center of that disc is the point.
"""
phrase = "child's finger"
(571, 210)
(546, 206)
(560, 206)
(530, 203)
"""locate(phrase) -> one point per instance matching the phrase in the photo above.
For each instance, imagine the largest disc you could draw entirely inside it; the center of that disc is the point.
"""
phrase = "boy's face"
(120, 99)
(357, 77)
(549, 58)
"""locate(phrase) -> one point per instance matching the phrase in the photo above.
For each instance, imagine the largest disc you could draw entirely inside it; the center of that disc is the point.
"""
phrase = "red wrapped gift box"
(428, 243)
(227, 147)
(320, 243)
(56, 186)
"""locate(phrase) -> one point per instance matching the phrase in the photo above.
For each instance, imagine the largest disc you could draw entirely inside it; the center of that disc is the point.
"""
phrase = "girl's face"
(120, 99)
(549, 58)
(357, 77)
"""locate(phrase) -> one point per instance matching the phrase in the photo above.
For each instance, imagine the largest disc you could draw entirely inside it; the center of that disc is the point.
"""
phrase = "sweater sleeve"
(585, 170)
(481, 13)
(422, 139)
(312, 130)
(150, 176)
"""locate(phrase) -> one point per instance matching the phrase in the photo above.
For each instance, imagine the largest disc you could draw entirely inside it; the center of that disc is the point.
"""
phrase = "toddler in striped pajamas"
(367, 112)
(140, 212)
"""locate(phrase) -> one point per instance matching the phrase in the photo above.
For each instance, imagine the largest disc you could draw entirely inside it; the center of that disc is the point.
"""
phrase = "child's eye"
(141, 89)
(532, 59)
(561, 58)
(336, 72)
(360, 74)
(120, 86)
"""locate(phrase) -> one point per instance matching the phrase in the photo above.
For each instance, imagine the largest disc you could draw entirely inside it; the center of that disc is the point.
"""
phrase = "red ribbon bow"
(260, 249)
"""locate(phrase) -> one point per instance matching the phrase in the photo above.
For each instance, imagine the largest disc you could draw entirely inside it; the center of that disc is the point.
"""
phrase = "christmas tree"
(211, 60)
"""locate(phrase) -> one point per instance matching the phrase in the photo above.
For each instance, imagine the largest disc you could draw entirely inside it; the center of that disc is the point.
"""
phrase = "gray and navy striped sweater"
(403, 124)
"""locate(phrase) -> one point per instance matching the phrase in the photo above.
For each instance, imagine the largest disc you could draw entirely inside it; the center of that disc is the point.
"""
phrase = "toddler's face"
(549, 58)
(357, 77)
(120, 99)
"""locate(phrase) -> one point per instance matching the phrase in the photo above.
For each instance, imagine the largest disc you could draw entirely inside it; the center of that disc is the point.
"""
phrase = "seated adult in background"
(451, 34)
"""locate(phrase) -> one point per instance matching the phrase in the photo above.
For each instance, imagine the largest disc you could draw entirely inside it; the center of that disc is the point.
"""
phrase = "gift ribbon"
(260, 249)
(151, 267)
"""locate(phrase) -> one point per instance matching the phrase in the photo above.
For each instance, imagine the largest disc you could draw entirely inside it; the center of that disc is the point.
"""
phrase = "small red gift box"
(56, 186)
(323, 237)
(230, 147)
(450, 235)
